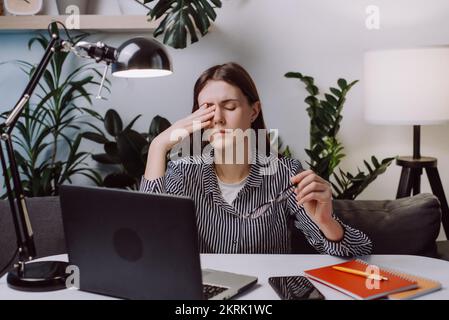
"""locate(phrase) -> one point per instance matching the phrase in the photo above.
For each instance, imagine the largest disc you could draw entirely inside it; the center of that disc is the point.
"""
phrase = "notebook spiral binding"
(389, 271)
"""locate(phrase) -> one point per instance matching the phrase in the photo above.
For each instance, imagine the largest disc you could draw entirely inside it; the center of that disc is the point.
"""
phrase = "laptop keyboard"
(210, 291)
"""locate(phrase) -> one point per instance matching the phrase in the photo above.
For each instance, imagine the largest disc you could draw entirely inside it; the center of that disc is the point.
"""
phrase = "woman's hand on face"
(315, 194)
(181, 129)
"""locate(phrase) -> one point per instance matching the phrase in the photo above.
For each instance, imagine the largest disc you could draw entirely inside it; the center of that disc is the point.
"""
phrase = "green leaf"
(342, 83)
(111, 150)
(182, 18)
(325, 151)
(158, 124)
(113, 123)
(104, 159)
(336, 92)
(130, 144)
(94, 137)
(217, 3)
(331, 99)
(313, 90)
(296, 75)
(312, 101)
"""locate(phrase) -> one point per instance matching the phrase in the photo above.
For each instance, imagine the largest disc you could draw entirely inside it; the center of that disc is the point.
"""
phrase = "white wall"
(322, 38)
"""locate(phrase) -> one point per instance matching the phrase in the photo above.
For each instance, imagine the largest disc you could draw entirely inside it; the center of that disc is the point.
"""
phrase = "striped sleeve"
(170, 183)
(353, 243)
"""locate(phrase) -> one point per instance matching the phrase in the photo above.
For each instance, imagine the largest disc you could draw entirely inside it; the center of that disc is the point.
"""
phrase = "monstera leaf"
(183, 18)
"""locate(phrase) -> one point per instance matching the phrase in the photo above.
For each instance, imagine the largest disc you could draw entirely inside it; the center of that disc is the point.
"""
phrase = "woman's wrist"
(159, 146)
(155, 167)
(332, 230)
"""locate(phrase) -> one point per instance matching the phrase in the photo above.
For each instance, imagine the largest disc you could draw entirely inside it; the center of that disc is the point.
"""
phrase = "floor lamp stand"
(412, 169)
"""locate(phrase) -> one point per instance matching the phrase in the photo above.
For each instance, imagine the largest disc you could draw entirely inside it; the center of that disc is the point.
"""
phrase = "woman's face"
(232, 111)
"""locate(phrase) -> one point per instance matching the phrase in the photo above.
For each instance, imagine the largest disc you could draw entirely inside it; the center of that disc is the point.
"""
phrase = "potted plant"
(47, 136)
(326, 151)
(125, 149)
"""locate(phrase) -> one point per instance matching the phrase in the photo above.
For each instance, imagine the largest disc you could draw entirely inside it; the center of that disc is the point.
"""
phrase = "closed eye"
(230, 106)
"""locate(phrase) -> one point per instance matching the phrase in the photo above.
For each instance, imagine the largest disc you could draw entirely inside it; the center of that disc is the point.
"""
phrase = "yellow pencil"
(360, 273)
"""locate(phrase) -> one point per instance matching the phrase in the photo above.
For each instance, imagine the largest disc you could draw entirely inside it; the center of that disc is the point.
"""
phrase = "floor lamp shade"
(407, 86)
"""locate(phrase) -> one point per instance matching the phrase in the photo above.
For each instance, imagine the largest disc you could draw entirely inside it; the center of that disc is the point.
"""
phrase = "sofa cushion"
(46, 221)
(402, 226)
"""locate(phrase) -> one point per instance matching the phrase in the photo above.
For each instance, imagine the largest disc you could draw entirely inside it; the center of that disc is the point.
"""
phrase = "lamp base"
(39, 276)
(410, 182)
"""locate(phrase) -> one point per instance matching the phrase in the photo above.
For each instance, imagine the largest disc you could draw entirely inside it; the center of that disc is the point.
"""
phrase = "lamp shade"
(141, 58)
(407, 86)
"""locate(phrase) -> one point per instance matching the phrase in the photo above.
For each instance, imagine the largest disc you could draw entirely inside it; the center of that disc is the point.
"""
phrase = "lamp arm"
(16, 197)
(26, 95)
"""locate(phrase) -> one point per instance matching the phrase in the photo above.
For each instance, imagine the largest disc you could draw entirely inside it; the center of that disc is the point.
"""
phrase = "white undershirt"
(230, 190)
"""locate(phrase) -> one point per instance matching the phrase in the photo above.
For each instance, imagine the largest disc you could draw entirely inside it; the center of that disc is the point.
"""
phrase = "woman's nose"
(218, 116)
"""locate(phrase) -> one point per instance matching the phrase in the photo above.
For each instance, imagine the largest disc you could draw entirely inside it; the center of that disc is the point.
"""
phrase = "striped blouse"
(220, 225)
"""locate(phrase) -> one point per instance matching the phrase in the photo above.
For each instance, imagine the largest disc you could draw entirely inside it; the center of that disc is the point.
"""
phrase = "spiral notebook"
(425, 286)
(360, 287)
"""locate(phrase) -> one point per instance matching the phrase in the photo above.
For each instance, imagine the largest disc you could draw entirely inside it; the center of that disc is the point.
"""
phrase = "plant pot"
(131, 7)
(63, 4)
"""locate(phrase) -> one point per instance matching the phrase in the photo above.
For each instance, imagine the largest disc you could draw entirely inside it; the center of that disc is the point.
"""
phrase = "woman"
(240, 207)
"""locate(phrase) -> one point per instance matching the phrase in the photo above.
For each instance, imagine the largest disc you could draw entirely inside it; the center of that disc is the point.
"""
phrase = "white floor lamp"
(410, 87)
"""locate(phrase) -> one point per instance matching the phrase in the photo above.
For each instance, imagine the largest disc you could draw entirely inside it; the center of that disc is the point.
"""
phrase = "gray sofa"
(404, 226)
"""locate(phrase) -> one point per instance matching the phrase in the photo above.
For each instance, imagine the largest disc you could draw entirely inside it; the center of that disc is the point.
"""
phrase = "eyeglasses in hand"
(263, 208)
(280, 197)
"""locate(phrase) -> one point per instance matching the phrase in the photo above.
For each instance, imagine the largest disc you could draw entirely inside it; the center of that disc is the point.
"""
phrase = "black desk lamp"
(138, 57)
(410, 87)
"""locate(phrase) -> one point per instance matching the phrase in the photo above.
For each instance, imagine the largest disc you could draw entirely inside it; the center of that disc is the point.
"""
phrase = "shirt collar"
(255, 178)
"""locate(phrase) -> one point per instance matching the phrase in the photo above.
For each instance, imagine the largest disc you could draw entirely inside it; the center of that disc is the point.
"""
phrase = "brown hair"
(235, 75)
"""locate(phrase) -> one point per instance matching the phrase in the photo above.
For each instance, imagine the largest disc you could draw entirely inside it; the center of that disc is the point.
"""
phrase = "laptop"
(135, 245)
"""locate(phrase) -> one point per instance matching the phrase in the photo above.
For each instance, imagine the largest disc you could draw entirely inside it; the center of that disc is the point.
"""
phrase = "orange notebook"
(360, 287)
(424, 286)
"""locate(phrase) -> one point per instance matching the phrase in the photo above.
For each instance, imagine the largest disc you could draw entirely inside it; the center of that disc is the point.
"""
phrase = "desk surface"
(265, 266)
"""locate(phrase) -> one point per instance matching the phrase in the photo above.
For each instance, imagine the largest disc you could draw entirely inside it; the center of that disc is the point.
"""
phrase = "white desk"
(265, 266)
